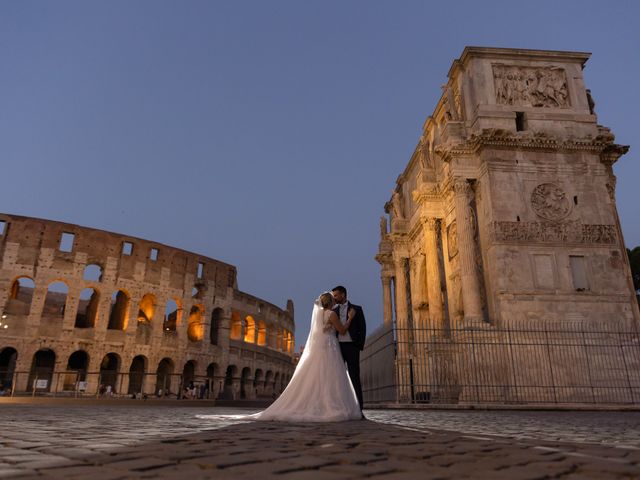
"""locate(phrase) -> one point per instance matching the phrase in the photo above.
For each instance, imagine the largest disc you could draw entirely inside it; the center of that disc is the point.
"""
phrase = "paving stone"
(153, 442)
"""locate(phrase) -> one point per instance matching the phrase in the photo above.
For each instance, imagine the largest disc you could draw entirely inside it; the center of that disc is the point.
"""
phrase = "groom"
(352, 342)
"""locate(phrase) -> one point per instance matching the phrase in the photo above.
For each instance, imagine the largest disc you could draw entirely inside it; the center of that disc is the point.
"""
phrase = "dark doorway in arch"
(8, 359)
(163, 377)
(188, 373)
(76, 370)
(257, 383)
(212, 380)
(109, 368)
(136, 374)
(87, 308)
(276, 384)
(41, 373)
(227, 392)
(119, 311)
(216, 318)
(245, 382)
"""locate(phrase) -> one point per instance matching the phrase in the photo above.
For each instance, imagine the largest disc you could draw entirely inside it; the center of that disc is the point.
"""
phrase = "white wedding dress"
(320, 389)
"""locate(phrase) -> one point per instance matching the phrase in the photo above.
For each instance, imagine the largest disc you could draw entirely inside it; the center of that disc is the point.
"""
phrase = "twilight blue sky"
(267, 134)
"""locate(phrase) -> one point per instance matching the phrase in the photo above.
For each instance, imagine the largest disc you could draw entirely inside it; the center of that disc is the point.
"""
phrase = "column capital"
(460, 185)
(431, 223)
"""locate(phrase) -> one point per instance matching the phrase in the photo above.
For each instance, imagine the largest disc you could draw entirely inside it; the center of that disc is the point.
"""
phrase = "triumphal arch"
(90, 312)
(504, 271)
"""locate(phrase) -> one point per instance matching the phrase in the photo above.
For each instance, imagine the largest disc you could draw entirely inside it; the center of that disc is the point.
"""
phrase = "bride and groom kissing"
(321, 389)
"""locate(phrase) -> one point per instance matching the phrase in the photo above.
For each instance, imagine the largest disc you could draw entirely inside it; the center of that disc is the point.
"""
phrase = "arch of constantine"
(90, 312)
(505, 276)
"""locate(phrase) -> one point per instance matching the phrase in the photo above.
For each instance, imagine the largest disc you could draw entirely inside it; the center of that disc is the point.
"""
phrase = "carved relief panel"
(531, 86)
(550, 202)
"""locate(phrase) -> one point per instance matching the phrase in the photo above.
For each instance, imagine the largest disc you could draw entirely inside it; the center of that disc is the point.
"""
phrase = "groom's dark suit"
(351, 350)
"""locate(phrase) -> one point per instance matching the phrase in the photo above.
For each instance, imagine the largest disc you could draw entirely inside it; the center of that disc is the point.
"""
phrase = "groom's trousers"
(351, 355)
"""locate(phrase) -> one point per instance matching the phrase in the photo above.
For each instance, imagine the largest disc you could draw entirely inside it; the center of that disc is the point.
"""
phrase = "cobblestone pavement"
(119, 442)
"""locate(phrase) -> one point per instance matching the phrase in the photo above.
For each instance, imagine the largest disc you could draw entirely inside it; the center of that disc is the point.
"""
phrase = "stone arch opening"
(20, 296)
(195, 327)
(262, 333)
(137, 372)
(278, 338)
(212, 380)
(41, 373)
(76, 370)
(55, 301)
(119, 311)
(146, 308)
(235, 330)
(109, 368)
(163, 377)
(258, 382)
(79, 362)
(87, 312)
(216, 318)
(245, 382)
(250, 329)
(172, 315)
(189, 372)
(8, 359)
(92, 273)
(229, 380)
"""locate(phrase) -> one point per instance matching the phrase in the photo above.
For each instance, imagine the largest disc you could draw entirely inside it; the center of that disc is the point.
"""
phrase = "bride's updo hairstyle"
(326, 300)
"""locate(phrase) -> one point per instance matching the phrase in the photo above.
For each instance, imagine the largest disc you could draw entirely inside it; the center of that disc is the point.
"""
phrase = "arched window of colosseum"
(195, 328)
(76, 370)
(87, 308)
(42, 366)
(278, 338)
(147, 307)
(164, 374)
(136, 374)
(235, 329)
(262, 333)
(109, 369)
(188, 373)
(290, 343)
(119, 311)
(250, 330)
(56, 300)
(245, 383)
(20, 296)
(172, 316)
(8, 359)
(214, 331)
(92, 273)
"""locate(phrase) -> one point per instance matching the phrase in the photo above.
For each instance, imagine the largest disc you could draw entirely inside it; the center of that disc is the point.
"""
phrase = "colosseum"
(90, 312)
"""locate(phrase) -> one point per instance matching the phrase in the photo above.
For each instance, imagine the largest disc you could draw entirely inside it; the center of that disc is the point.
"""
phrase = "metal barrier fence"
(108, 384)
(567, 364)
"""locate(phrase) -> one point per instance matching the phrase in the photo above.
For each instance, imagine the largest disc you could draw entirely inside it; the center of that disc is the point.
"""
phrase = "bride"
(320, 389)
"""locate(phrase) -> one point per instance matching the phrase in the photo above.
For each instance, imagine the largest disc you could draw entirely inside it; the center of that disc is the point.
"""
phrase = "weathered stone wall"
(192, 337)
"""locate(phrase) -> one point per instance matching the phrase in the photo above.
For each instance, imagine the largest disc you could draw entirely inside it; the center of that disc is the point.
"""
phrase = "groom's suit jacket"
(358, 327)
